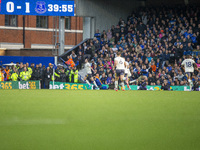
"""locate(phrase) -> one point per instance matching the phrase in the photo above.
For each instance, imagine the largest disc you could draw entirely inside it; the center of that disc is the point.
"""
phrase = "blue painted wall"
(44, 60)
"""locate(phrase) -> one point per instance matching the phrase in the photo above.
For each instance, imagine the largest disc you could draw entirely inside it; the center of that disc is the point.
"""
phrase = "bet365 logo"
(27, 85)
(23, 86)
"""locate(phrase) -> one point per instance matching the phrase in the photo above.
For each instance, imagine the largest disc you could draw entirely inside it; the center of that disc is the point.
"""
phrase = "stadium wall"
(172, 3)
(44, 60)
(11, 38)
(105, 12)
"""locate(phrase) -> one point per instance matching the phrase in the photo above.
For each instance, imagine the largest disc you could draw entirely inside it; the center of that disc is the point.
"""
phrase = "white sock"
(87, 82)
(190, 82)
(132, 81)
(116, 84)
(95, 84)
(122, 84)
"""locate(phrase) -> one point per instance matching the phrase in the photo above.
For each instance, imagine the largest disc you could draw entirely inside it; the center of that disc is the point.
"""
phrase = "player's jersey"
(88, 68)
(188, 64)
(120, 64)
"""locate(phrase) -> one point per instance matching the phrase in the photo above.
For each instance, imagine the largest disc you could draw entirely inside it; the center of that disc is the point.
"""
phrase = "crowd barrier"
(20, 85)
(82, 86)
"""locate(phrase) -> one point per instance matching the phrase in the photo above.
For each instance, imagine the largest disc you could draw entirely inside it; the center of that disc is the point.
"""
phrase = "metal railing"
(63, 58)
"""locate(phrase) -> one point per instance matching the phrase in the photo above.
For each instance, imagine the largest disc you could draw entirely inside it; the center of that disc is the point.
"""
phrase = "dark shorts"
(119, 72)
(89, 76)
(126, 75)
(188, 74)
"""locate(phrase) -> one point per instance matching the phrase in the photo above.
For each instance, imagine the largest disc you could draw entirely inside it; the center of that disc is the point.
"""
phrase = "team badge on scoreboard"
(40, 7)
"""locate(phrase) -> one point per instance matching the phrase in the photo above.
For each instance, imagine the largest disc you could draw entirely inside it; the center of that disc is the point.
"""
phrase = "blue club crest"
(40, 7)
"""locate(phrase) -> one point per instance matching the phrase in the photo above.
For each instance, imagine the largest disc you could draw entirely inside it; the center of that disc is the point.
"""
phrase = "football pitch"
(99, 120)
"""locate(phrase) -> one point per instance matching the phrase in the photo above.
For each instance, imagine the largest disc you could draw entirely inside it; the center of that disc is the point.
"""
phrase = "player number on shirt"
(188, 64)
(120, 62)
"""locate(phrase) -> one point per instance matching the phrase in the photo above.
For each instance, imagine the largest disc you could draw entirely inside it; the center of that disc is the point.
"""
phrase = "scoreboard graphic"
(0, 5)
(37, 7)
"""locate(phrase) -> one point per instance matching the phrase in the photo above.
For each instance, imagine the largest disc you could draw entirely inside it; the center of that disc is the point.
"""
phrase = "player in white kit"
(127, 74)
(188, 65)
(120, 65)
(89, 76)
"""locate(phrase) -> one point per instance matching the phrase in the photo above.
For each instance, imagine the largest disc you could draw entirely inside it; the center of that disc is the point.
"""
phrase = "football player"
(188, 66)
(89, 77)
(119, 64)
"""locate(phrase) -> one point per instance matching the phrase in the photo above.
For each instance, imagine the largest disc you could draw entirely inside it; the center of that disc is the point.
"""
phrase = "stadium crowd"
(153, 41)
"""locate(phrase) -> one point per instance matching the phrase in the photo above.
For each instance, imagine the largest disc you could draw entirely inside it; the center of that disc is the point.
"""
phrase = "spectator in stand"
(198, 64)
(73, 55)
(70, 62)
(80, 48)
(180, 76)
(165, 85)
(103, 78)
(96, 44)
(152, 39)
(97, 35)
(109, 79)
(151, 80)
(109, 34)
(88, 53)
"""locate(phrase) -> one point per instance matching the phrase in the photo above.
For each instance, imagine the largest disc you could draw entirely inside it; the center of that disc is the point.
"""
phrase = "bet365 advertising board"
(82, 86)
(19, 85)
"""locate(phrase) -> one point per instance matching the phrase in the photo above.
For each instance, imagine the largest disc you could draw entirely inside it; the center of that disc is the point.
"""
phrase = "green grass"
(99, 120)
